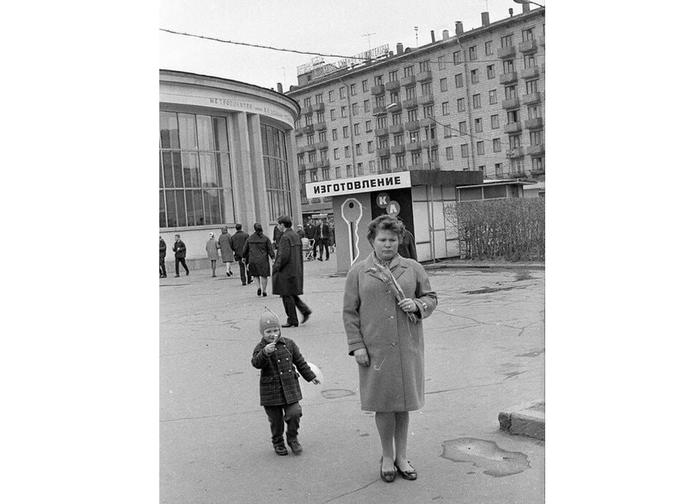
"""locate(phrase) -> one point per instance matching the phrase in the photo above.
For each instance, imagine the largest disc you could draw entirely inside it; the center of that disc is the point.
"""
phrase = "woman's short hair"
(384, 223)
(285, 220)
(257, 227)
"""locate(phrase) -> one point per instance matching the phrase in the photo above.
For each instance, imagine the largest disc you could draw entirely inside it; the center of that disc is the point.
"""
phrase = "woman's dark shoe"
(280, 449)
(264, 294)
(259, 291)
(408, 475)
(387, 476)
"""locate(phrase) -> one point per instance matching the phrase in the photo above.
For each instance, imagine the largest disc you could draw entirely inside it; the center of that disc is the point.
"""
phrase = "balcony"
(324, 163)
(414, 146)
(379, 110)
(318, 107)
(426, 121)
(508, 78)
(537, 172)
(513, 127)
(308, 129)
(321, 145)
(299, 131)
(377, 90)
(535, 150)
(527, 46)
(428, 144)
(407, 81)
(382, 151)
(380, 132)
(531, 98)
(321, 126)
(314, 165)
(540, 40)
(397, 149)
(432, 165)
(516, 152)
(414, 167)
(412, 125)
(307, 110)
(531, 73)
(396, 128)
(302, 167)
(426, 76)
(425, 100)
(392, 85)
(307, 148)
(409, 103)
(506, 52)
(512, 103)
(535, 123)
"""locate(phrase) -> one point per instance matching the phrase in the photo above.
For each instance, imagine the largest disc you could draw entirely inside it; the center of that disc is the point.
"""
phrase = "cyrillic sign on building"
(366, 183)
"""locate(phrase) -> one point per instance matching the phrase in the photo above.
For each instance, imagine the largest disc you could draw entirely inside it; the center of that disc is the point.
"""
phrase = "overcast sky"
(307, 25)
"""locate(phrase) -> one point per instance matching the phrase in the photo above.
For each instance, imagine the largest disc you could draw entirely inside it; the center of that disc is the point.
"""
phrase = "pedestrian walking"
(212, 248)
(276, 234)
(288, 273)
(226, 250)
(386, 299)
(180, 253)
(163, 249)
(276, 357)
(257, 253)
(322, 236)
(238, 242)
(300, 231)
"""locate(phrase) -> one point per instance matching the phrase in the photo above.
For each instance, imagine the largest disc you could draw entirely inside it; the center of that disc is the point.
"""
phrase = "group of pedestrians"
(322, 234)
(180, 253)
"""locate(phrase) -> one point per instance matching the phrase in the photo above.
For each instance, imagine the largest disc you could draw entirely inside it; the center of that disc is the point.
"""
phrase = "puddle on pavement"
(488, 290)
(485, 455)
(534, 353)
(523, 275)
(513, 374)
(336, 393)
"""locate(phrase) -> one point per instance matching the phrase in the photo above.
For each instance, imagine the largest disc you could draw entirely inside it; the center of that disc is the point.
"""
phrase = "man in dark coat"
(163, 249)
(322, 237)
(276, 234)
(288, 273)
(407, 247)
(180, 252)
(238, 243)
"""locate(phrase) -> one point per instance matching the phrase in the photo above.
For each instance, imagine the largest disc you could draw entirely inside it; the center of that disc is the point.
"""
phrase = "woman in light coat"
(212, 247)
(383, 324)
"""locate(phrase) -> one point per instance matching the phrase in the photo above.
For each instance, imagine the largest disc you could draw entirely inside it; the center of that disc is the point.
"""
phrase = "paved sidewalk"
(484, 349)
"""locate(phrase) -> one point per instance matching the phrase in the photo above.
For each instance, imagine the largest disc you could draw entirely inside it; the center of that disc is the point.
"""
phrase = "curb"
(524, 420)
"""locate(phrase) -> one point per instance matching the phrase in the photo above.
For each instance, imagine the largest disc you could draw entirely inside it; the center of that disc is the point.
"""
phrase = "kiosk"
(417, 197)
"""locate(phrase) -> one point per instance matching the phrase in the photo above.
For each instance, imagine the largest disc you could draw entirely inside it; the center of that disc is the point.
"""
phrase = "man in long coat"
(322, 236)
(288, 273)
(163, 250)
(180, 253)
(226, 249)
(238, 243)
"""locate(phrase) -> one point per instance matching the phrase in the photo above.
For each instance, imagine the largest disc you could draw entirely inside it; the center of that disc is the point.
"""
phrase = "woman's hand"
(408, 305)
(361, 357)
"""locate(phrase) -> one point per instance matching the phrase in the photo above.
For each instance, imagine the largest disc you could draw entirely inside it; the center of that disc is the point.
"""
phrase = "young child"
(280, 393)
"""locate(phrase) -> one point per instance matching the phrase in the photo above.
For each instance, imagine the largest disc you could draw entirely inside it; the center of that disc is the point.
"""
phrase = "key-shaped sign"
(351, 211)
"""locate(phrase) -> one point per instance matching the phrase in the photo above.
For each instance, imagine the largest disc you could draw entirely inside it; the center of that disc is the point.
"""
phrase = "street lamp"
(527, 2)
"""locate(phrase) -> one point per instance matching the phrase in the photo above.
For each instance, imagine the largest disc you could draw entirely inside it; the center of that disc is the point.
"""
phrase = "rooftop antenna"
(368, 35)
(415, 28)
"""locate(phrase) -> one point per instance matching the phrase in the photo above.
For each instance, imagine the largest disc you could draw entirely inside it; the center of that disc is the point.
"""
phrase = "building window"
(493, 96)
(307, 102)
(343, 111)
(478, 125)
(312, 157)
(324, 154)
(365, 86)
(536, 137)
(279, 194)
(360, 170)
(443, 84)
(481, 168)
(332, 114)
(410, 92)
(538, 164)
(368, 126)
(514, 141)
(354, 109)
(378, 80)
(476, 101)
(372, 166)
(428, 111)
(383, 142)
(528, 34)
(408, 71)
(331, 96)
(508, 66)
(490, 72)
(194, 151)
(353, 90)
(426, 89)
(393, 75)
(494, 122)
(400, 160)
(379, 101)
(346, 132)
(309, 139)
(396, 118)
(334, 134)
(347, 151)
(366, 105)
(413, 136)
(529, 61)
(531, 86)
(356, 128)
(459, 81)
(464, 150)
(370, 147)
(384, 165)
(447, 131)
(342, 92)
(480, 147)
(358, 149)
(308, 119)
(348, 170)
(513, 116)
(445, 108)
(488, 49)
(398, 139)
(326, 173)
(321, 136)
(416, 158)
(413, 115)
(511, 92)
(457, 57)
(441, 62)
(381, 122)
(499, 169)
(533, 111)
(394, 97)
(463, 127)
(314, 178)
(507, 40)
(472, 53)
(449, 154)
(338, 174)
(460, 105)
(496, 145)
(336, 153)
(474, 76)
(424, 66)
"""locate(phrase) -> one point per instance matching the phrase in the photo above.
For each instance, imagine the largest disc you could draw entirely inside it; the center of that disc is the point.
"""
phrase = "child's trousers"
(278, 415)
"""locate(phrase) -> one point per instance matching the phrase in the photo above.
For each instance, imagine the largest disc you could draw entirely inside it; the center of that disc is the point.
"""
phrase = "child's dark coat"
(278, 378)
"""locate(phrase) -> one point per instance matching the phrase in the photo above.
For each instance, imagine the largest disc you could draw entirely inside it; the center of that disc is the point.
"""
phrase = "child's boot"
(280, 449)
(295, 446)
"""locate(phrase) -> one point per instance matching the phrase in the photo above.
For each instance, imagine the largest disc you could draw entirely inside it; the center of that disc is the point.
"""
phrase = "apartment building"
(470, 101)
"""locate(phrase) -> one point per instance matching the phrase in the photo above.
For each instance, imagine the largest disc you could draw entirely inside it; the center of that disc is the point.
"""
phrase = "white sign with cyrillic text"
(366, 183)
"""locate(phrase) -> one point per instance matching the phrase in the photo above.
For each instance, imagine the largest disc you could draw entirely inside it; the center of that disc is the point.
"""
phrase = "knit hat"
(268, 320)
